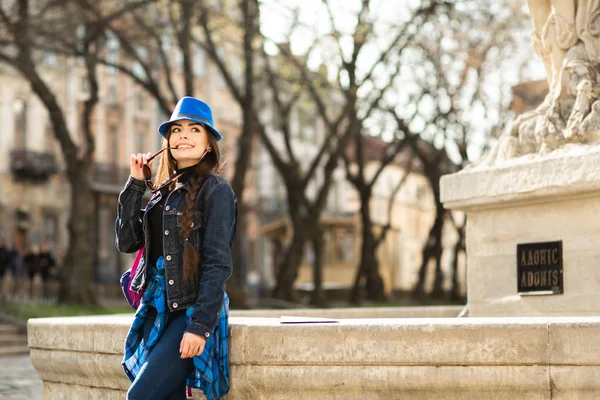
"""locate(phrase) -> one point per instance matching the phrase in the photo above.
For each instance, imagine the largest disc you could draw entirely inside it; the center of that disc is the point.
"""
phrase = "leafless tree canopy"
(430, 78)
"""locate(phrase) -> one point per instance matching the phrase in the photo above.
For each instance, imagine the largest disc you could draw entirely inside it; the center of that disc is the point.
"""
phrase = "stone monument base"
(531, 199)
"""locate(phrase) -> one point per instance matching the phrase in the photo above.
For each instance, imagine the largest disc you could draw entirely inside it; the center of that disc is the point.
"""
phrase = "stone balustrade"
(385, 358)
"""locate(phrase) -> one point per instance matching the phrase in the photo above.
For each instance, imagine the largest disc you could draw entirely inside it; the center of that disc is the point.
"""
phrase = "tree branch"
(390, 156)
(212, 50)
(388, 226)
(162, 55)
(425, 12)
(282, 110)
(91, 102)
(183, 37)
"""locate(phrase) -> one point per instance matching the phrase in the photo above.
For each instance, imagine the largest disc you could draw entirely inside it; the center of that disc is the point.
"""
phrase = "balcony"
(34, 166)
(108, 177)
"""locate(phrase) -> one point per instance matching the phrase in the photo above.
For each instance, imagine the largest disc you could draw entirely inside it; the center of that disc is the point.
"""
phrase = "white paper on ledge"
(306, 320)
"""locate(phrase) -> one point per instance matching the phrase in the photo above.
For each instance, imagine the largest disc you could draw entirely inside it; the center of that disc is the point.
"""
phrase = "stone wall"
(528, 200)
(390, 358)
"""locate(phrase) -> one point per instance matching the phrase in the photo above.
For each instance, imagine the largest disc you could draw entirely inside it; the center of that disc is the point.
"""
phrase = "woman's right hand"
(137, 161)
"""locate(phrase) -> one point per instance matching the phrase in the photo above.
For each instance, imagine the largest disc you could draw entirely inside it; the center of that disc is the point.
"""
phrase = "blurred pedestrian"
(4, 268)
(16, 267)
(31, 264)
(47, 265)
(4, 259)
(16, 262)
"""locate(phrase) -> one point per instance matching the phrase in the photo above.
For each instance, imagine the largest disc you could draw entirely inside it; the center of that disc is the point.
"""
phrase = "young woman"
(180, 331)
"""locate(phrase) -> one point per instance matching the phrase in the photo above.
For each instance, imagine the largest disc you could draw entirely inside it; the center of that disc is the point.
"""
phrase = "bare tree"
(368, 267)
(459, 249)
(243, 91)
(20, 42)
(463, 96)
(304, 211)
(148, 41)
(195, 26)
(338, 104)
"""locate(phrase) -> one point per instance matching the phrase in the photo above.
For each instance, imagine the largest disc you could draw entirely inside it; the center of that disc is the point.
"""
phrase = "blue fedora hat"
(192, 109)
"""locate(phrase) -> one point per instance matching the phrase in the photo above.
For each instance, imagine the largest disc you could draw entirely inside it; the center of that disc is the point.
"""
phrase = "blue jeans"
(164, 373)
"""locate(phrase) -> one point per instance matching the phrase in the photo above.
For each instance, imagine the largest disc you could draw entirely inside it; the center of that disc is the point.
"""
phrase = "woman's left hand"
(191, 345)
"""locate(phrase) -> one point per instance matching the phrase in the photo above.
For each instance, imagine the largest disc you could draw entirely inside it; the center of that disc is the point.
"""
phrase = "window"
(421, 191)
(112, 55)
(20, 113)
(112, 94)
(306, 125)
(51, 231)
(345, 242)
(236, 69)
(50, 59)
(328, 248)
(233, 10)
(85, 85)
(80, 32)
(220, 80)
(140, 100)
(140, 142)
(49, 137)
(113, 144)
(165, 43)
(276, 119)
(137, 68)
(199, 64)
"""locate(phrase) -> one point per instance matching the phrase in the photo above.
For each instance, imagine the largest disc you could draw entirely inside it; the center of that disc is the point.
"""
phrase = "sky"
(276, 18)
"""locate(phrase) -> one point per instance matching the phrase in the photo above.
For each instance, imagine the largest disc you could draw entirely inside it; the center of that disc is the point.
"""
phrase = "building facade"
(34, 191)
(35, 195)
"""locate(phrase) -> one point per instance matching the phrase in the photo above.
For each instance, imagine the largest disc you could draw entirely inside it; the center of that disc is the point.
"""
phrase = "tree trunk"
(76, 276)
(236, 284)
(318, 295)
(369, 265)
(455, 293)
(432, 249)
(438, 281)
(245, 142)
(375, 285)
(288, 269)
(187, 13)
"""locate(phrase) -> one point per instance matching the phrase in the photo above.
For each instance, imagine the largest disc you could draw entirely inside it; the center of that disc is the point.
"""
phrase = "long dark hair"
(209, 165)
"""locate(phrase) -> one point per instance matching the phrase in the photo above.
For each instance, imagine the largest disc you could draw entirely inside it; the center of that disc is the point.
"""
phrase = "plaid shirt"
(211, 368)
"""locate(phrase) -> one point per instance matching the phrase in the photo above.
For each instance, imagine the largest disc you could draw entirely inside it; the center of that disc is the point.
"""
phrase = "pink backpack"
(133, 298)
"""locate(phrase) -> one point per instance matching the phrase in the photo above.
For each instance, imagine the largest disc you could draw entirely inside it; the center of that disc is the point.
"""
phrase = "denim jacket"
(213, 230)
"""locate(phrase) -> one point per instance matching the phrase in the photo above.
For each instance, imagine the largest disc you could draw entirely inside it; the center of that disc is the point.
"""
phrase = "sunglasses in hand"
(147, 171)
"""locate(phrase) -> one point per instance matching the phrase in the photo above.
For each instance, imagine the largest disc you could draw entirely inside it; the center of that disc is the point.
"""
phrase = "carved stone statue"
(567, 37)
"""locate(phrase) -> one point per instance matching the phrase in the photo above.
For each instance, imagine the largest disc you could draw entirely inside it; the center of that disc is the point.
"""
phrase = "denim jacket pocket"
(194, 232)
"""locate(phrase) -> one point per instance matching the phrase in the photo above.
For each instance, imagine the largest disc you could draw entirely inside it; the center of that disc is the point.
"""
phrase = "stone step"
(7, 328)
(9, 351)
(12, 339)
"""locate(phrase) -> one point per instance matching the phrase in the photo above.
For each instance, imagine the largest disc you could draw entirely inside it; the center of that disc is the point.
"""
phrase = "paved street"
(18, 379)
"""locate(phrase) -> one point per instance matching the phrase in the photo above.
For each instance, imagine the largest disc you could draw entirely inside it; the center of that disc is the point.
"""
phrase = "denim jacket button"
(168, 258)
(167, 232)
(171, 282)
(167, 208)
(207, 334)
(175, 305)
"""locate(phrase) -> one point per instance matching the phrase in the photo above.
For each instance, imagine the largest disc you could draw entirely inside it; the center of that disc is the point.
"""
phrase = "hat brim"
(163, 128)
